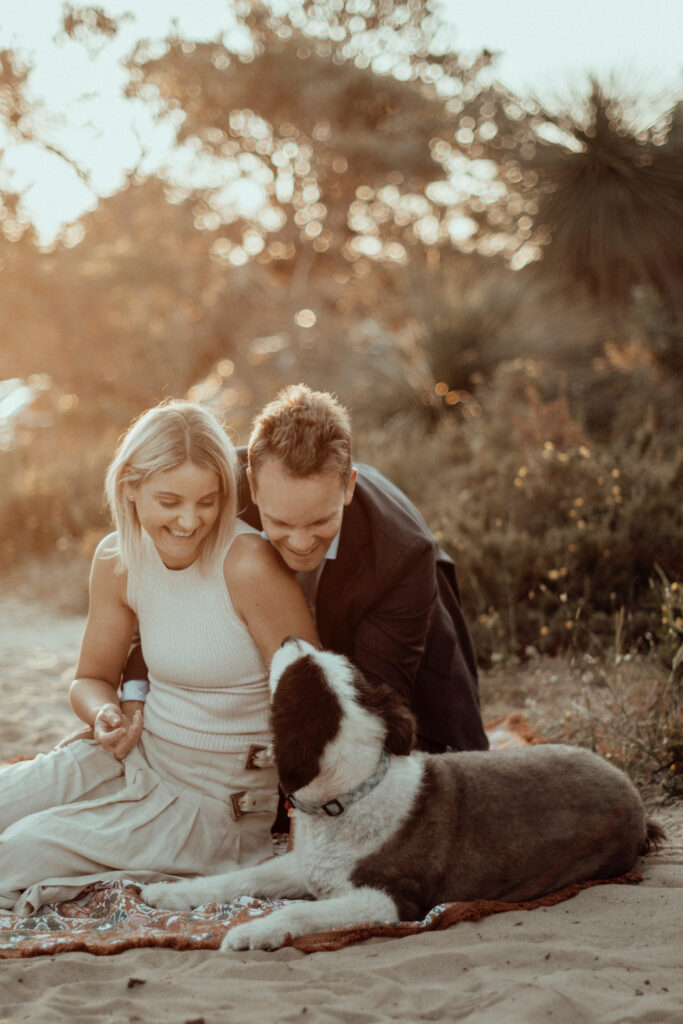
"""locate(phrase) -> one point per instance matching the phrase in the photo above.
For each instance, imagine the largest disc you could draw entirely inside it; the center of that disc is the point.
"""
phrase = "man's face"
(301, 516)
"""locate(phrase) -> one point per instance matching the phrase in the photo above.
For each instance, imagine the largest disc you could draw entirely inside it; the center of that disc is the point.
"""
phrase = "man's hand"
(116, 730)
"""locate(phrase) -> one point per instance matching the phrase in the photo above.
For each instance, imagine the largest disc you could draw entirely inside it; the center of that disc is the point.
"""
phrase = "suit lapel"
(339, 580)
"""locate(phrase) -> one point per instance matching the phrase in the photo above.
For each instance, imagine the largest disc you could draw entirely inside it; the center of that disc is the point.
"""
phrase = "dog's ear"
(384, 702)
(400, 727)
(305, 715)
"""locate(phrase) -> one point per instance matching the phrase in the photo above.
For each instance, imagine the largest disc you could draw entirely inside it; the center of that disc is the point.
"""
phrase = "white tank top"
(208, 682)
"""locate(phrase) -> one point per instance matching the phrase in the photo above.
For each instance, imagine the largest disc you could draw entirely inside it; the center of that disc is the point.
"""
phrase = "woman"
(179, 795)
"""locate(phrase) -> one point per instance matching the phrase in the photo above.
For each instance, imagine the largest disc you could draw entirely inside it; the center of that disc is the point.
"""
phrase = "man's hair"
(307, 431)
(161, 439)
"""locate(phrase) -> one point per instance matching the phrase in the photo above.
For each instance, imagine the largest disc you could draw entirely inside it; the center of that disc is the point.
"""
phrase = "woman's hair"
(161, 439)
(308, 431)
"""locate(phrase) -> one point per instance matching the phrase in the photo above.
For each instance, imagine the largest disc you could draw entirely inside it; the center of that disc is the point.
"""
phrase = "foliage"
(473, 313)
(394, 187)
(555, 536)
(631, 710)
(610, 198)
(349, 120)
(52, 488)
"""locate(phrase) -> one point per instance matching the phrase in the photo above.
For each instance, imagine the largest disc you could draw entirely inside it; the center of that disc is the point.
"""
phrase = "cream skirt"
(77, 815)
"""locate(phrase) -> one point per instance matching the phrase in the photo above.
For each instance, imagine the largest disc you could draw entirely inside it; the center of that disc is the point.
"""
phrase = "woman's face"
(177, 508)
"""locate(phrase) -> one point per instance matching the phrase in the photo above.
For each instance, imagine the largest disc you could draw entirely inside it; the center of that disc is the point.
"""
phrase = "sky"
(546, 49)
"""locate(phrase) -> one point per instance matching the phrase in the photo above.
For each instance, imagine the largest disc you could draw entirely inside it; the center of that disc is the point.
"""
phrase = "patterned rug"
(109, 917)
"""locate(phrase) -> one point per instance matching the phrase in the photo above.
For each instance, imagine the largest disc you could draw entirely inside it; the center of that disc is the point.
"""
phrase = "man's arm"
(389, 641)
(415, 638)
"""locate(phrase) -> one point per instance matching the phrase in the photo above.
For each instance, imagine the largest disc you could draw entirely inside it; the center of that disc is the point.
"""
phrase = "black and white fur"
(511, 824)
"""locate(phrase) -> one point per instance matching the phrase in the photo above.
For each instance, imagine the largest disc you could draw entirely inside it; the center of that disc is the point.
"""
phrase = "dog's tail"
(654, 837)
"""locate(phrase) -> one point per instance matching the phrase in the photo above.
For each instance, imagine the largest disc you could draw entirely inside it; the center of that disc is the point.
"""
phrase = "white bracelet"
(135, 689)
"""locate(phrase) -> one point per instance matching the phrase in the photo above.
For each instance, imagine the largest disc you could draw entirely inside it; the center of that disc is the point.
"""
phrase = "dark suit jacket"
(390, 602)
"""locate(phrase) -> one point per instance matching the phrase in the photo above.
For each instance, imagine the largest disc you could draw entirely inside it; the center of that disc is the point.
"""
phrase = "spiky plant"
(611, 199)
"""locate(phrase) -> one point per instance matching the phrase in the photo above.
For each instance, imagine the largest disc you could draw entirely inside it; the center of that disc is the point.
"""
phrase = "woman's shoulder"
(249, 555)
(108, 547)
(107, 569)
(242, 529)
(244, 541)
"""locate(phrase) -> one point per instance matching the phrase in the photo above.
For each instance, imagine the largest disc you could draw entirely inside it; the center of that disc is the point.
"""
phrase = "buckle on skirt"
(245, 802)
(259, 756)
(235, 799)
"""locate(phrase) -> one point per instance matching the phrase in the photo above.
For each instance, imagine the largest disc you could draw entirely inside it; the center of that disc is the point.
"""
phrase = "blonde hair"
(160, 439)
(308, 431)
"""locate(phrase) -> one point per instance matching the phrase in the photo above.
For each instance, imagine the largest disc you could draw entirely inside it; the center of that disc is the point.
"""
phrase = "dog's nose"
(291, 639)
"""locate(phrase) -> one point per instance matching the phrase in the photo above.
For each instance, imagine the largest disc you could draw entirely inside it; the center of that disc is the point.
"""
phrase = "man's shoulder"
(383, 498)
(386, 514)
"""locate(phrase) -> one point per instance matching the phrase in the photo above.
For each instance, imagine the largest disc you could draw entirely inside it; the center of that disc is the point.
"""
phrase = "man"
(381, 589)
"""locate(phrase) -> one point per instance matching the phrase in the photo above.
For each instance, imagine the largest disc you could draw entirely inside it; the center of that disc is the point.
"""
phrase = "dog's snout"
(291, 639)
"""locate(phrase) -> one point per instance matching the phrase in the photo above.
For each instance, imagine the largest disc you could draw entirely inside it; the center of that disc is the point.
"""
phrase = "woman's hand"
(106, 642)
(116, 731)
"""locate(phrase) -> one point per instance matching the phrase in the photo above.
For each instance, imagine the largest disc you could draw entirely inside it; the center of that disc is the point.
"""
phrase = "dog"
(383, 834)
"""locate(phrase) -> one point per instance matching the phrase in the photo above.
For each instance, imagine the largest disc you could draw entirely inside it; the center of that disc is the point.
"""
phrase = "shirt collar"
(333, 549)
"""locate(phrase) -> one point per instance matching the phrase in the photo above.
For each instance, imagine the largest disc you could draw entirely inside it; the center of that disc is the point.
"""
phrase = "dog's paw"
(262, 933)
(171, 895)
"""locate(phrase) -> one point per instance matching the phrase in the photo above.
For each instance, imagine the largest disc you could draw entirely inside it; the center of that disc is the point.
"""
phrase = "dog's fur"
(511, 824)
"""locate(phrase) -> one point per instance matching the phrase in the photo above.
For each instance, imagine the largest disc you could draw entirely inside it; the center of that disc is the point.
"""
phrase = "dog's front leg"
(278, 877)
(270, 932)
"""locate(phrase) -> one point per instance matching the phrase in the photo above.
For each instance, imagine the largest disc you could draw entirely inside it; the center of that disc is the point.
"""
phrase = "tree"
(611, 200)
(351, 119)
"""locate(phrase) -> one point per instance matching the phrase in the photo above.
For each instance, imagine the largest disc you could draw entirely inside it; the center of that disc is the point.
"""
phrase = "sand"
(612, 954)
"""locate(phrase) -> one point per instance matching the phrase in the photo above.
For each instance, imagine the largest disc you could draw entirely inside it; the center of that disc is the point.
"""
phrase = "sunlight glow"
(79, 106)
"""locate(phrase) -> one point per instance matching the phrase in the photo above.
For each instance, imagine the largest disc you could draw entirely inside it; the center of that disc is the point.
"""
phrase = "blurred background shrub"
(492, 287)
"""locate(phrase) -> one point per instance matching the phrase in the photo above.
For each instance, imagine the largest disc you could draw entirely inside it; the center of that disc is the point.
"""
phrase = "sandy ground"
(610, 955)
